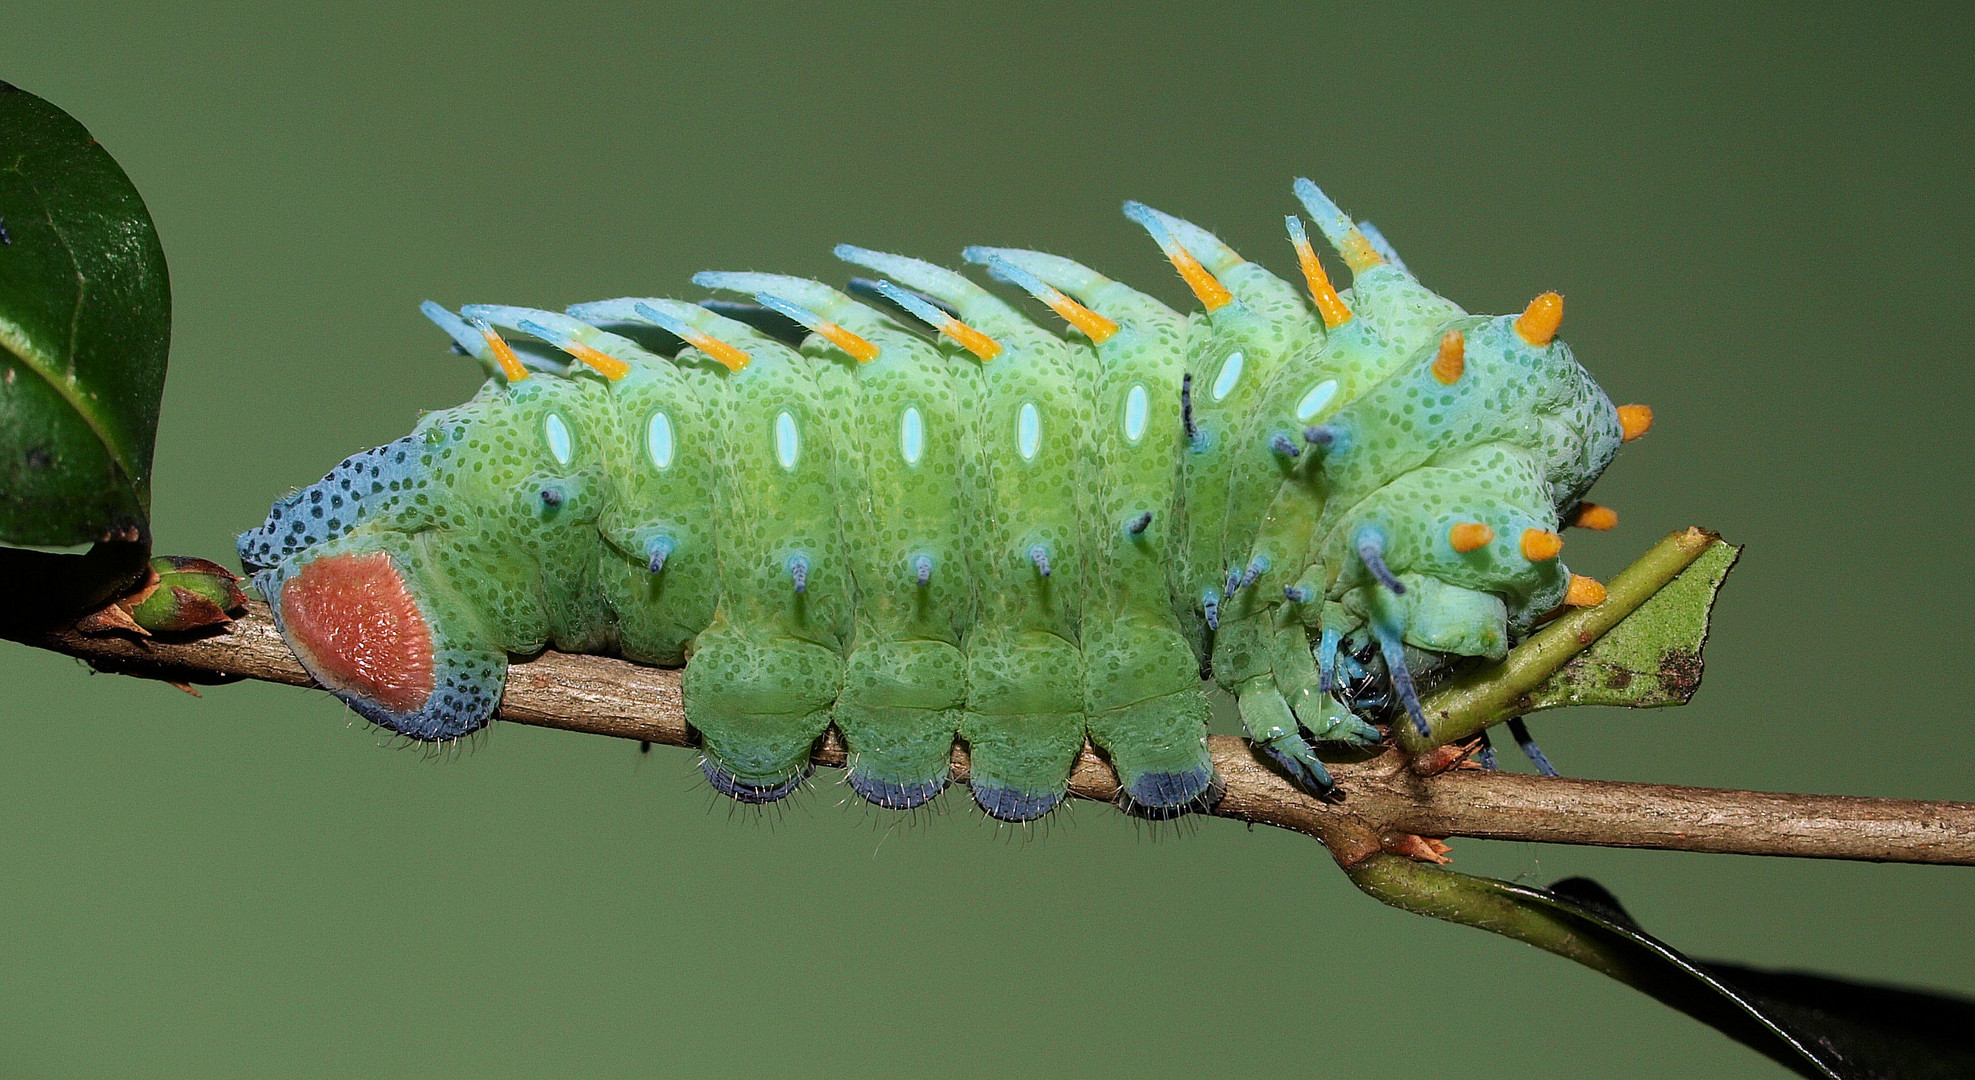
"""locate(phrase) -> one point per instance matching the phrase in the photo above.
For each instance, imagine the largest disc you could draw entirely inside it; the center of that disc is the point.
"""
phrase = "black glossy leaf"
(1816, 1025)
(1882, 1031)
(1853, 1029)
(85, 324)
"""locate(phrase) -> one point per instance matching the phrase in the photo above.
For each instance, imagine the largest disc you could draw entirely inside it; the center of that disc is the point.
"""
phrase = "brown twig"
(1384, 803)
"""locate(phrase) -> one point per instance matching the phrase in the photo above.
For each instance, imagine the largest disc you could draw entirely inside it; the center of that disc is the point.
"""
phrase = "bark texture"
(1385, 804)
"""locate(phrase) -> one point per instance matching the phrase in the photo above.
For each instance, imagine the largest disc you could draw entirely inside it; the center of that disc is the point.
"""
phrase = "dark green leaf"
(85, 324)
(1653, 657)
(1815, 1025)
(1664, 646)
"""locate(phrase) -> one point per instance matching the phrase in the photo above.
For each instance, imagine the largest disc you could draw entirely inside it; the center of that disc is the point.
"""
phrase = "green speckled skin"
(1142, 698)
(764, 675)
(905, 681)
(532, 570)
(815, 555)
(658, 615)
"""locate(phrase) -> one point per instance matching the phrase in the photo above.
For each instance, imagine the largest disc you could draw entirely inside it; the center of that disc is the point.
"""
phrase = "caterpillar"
(911, 512)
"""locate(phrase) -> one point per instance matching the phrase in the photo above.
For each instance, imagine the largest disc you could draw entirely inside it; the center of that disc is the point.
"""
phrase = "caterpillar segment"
(909, 435)
(1024, 722)
(1338, 346)
(908, 510)
(1142, 701)
(1234, 354)
(765, 673)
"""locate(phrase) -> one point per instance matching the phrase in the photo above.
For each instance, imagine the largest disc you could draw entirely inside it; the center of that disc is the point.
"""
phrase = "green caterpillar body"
(1001, 535)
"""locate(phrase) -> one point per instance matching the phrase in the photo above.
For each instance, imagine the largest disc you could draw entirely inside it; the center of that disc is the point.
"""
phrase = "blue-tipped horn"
(470, 341)
(1534, 753)
(1257, 566)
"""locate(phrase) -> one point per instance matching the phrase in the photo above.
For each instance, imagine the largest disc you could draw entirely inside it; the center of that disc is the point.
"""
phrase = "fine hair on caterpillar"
(907, 510)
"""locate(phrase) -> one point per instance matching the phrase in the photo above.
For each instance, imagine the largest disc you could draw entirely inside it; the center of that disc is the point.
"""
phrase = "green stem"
(1604, 941)
(1425, 889)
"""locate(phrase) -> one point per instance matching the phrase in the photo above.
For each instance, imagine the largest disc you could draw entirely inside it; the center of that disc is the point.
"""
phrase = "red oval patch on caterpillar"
(359, 630)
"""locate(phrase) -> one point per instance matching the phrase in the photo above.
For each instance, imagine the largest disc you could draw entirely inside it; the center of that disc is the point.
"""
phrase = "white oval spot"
(556, 434)
(1318, 397)
(1230, 374)
(1028, 431)
(788, 443)
(1135, 413)
(658, 439)
(911, 435)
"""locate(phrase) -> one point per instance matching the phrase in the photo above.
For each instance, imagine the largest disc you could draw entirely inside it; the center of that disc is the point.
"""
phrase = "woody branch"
(1385, 804)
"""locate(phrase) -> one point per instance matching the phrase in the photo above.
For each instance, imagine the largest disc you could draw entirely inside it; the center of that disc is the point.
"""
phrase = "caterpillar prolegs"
(925, 517)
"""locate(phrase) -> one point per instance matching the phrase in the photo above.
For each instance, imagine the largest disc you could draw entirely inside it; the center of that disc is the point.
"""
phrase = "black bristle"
(1186, 408)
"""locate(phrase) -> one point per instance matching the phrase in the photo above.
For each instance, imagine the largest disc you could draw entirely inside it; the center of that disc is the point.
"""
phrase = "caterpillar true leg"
(1520, 731)
(1320, 715)
(1267, 719)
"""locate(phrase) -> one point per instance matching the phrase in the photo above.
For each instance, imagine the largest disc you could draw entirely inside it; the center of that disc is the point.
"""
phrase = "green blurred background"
(1760, 218)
